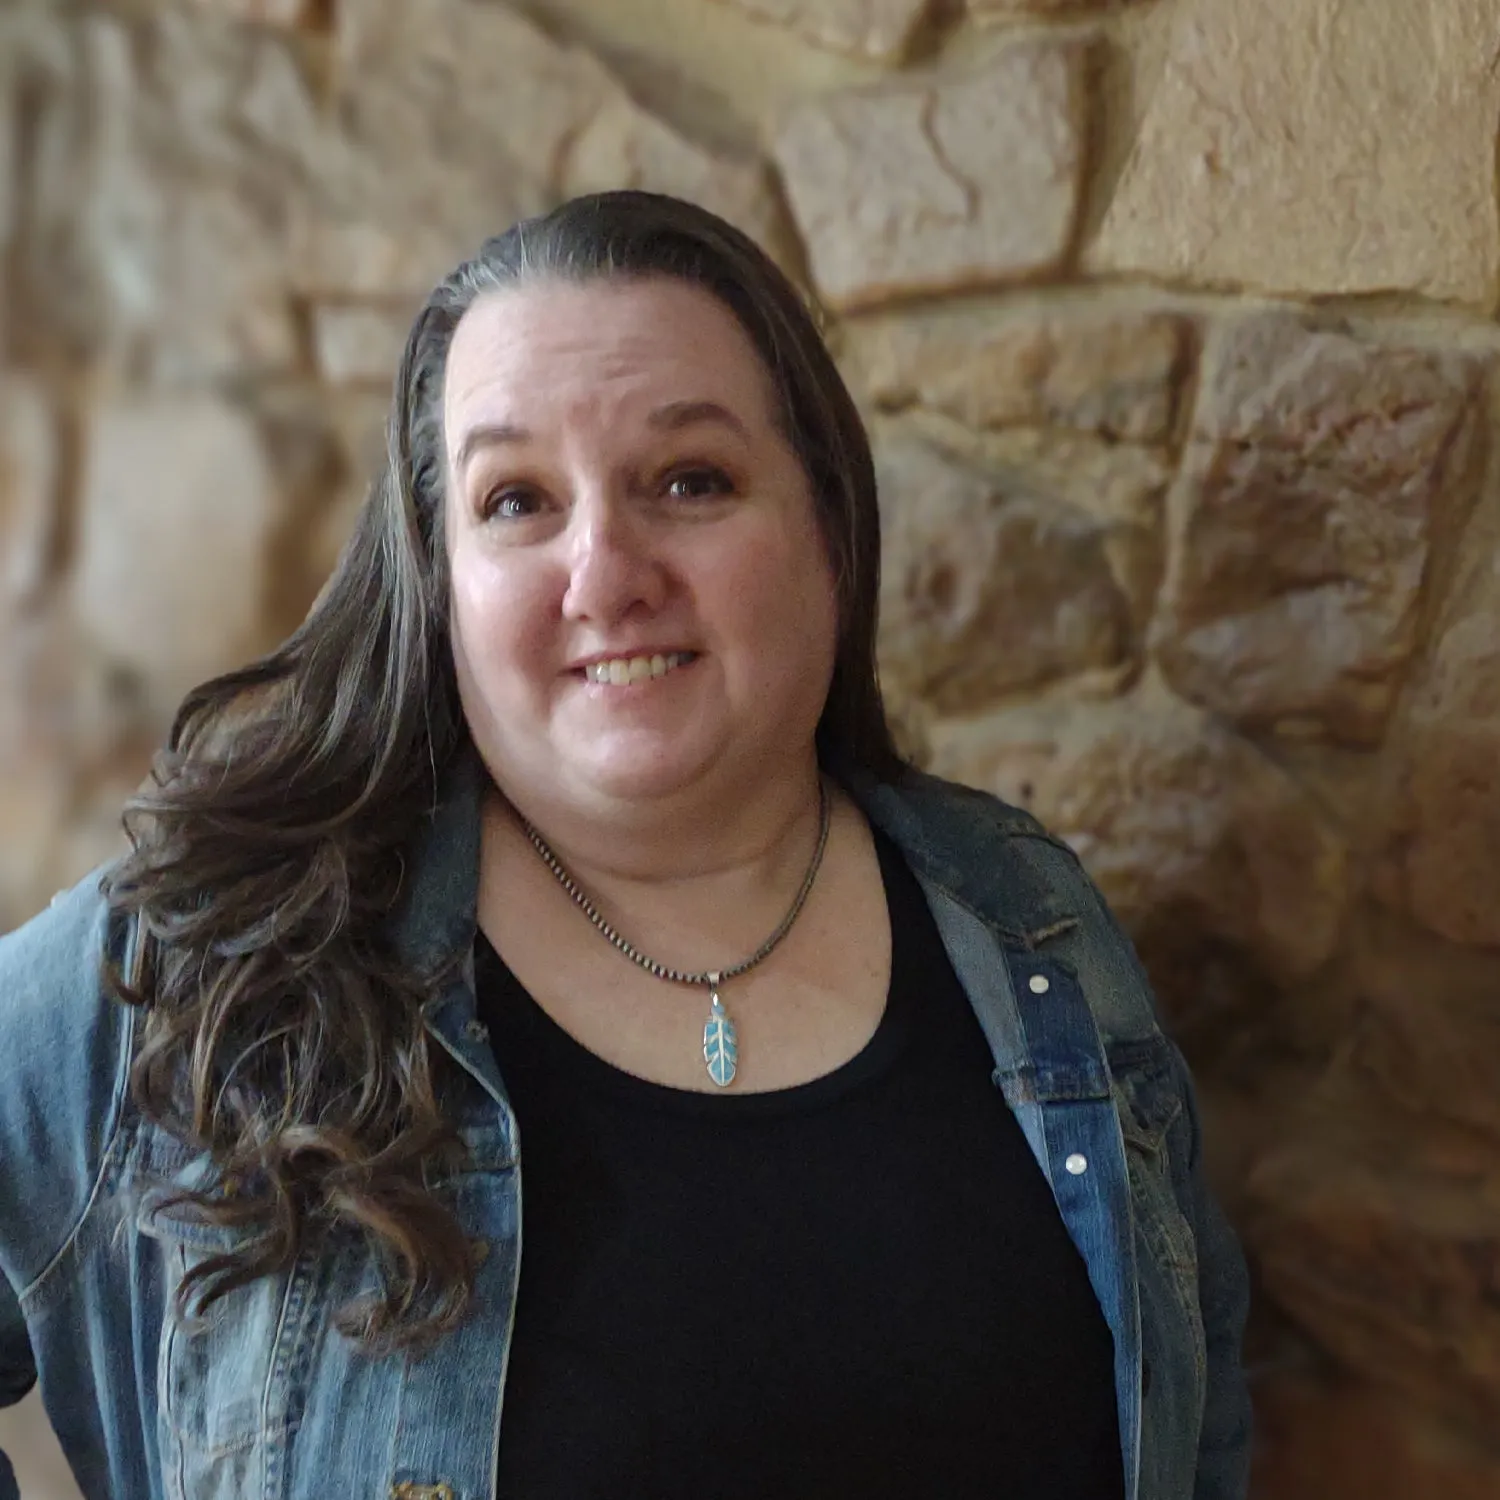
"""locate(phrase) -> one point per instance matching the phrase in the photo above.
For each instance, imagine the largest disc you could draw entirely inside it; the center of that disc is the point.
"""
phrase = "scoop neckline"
(577, 1060)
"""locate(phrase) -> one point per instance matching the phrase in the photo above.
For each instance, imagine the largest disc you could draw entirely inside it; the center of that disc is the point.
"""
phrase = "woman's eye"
(698, 484)
(510, 504)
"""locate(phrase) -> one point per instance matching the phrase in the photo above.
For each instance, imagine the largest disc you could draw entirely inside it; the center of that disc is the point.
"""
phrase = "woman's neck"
(697, 861)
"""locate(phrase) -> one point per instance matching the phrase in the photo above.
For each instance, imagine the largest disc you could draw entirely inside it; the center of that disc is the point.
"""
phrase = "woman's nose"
(612, 566)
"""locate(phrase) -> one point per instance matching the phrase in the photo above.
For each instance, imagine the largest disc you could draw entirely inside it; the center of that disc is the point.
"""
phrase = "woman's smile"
(625, 671)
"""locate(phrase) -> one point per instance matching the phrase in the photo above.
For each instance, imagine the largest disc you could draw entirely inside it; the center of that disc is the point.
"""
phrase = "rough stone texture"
(880, 29)
(1317, 471)
(173, 167)
(360, 343)
(1215, 858)
(1379, 1233)
(33, 808)
(1444, 859)
(10, 126)
(265, 12)
(1427, 1033)
(41, 745)
(419, 82)
(1098, 369)
(965, 178)
(34, 55)
(517, 122)
(217, 216)
(1317, 1438)
(1007, 9)
(623, 146)
(1116, 483)
(178, 513)
(1316, 154)
(970, 560)
(28, 489)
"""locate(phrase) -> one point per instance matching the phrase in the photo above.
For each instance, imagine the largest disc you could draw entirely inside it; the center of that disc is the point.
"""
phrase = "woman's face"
(642, 602)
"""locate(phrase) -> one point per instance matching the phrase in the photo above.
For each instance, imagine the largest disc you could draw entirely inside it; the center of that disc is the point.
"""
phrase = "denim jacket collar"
(959, 842)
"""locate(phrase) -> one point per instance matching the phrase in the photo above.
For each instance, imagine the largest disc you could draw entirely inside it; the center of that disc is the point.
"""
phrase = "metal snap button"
(1039, 984)
(1077, 1164)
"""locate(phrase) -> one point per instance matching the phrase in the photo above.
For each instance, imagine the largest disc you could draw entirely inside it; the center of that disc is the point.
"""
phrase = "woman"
(568, 832)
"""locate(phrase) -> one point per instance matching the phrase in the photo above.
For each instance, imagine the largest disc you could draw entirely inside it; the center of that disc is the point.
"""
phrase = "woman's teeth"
(624, 670)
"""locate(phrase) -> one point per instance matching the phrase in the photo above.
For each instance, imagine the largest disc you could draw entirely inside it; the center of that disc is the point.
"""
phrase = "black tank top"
(860, 1286)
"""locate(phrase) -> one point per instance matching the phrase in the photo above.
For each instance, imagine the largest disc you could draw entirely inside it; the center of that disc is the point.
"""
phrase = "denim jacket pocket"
(229, 1376)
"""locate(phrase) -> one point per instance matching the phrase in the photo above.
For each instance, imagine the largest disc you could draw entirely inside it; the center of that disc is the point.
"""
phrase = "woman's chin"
(640, 775)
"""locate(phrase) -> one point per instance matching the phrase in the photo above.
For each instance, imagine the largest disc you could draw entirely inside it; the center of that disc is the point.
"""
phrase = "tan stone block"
(1010, 9)
(1217, 860)
(881, 29)
(1427, 1034)
(459, 117)
(1336, 149)
(34, 65)
(35, 53)
(1378, 1232)
(176, 155)
(360, 343)
(451, 117)
(10, 126)
(1444, 855)
(263, 12)
(1317, 470)
(28, 488)
(33, 806)
(358, 424)
(179, 514)
(1095, 368)
(967, 177)
(1118, 484)
(36, 668)
(988, 588)
(91, 834)
(624, 147)
(1320, 1437)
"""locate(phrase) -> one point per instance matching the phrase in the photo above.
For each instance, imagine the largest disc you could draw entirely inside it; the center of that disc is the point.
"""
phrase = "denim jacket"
(267, 1399)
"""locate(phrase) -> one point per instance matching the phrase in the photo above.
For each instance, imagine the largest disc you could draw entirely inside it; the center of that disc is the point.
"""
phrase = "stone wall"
(1175, 324)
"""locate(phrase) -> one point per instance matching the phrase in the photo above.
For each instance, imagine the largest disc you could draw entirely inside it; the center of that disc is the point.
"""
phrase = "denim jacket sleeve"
(63, 1055)
(1223, 1294)
(1223, 1468)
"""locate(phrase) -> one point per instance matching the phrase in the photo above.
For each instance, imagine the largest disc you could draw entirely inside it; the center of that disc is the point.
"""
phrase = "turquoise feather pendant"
(721, 1051)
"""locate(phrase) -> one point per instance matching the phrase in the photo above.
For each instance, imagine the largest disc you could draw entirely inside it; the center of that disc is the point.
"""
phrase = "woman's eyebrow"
(669, 418)
(488, 435)
(679, 414)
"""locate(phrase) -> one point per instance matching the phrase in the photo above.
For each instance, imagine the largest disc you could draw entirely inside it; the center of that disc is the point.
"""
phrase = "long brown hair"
(282, 1035)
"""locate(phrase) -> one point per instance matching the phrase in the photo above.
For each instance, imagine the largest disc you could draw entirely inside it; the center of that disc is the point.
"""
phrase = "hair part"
(282, 1034)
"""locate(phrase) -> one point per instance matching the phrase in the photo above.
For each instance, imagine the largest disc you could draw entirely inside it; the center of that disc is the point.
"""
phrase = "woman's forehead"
(614, 345)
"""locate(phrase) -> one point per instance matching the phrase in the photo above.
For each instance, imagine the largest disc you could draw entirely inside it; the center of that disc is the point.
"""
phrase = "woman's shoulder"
(997, 857)
(46, 961)
(64, 1054)
(1029, 886)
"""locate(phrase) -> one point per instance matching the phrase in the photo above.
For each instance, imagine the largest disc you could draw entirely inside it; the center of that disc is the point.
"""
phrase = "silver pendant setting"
(721, 1051)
